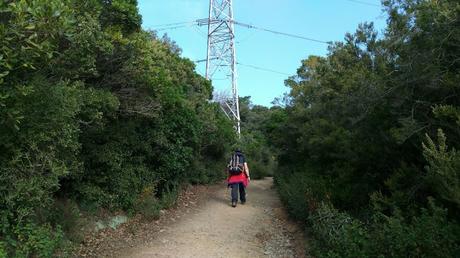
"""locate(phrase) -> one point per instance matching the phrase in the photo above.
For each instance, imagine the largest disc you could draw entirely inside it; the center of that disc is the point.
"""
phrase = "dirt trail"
(257, 229)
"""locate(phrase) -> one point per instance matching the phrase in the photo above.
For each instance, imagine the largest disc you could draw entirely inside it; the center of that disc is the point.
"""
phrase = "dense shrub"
(260, 158)
(294, 192)
(358, 132)
(94, 109)
(2, 250)
(430, 234)
(65, 213)
(32, 239)
(337, 234)
(260, 155)
(147, 204)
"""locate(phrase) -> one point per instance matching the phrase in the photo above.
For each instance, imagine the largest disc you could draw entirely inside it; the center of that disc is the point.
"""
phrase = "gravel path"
(257, 229)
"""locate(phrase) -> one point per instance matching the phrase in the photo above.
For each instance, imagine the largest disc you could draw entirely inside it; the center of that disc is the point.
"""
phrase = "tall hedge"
(97, 110)
(368, 137)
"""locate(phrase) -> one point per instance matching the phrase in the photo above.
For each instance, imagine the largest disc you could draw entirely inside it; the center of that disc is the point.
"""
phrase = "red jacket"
(241, 178)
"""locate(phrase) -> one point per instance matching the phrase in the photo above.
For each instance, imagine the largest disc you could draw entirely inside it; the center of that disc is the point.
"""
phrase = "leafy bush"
(66, 214)
(148, 204)
(259, 157)
(169, 198)
(338, 233)
(429, 234)
(3, 250)
(35, 240)
(444, 168)
(149, 207)
(253, 142)
(300, 193)
(95, 110)
(350, 133)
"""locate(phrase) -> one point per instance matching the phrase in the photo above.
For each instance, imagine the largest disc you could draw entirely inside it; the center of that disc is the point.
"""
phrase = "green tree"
(94, 109)
(350, 134)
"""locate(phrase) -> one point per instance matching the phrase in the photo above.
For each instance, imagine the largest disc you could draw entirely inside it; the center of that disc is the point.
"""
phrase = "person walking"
(238, 177)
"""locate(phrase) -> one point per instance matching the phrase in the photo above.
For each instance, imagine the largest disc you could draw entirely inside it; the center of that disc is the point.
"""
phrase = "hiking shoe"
(243, 202)
(233, 204)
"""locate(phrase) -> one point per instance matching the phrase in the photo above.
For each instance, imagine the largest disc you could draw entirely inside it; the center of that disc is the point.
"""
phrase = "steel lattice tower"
(221, 56)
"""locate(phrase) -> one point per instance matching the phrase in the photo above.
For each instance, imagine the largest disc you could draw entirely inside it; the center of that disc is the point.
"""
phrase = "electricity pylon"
(221, 55)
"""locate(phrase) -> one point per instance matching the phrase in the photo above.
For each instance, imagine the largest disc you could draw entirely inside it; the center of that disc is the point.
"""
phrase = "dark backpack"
(235, 167)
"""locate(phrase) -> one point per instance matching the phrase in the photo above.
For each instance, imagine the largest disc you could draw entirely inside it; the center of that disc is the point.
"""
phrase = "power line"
(246, 38)
(202, 33)
(173, 27)
(202, 22)
(362, 2)
(253, 67)
(280, 33)
(263, 69)
(174, 24)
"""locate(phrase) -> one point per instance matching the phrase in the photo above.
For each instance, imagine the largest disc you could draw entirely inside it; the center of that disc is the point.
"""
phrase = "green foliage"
(294, 194)
(94, 109)
(254, 143)
(149, 208)
(260, 157)
(430, 234)
(350, 134)
(443, 169)
(3, 250)
(148, 205)
(169, 198)
(338, 233)
(121, 14)
(34, 240)
(66, 214)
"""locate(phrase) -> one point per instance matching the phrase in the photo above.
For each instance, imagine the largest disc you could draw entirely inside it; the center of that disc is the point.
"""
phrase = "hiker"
(238, 177)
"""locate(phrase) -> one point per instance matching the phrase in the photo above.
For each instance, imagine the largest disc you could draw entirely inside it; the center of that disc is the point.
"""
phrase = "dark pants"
(238, 187)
